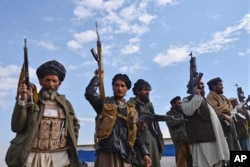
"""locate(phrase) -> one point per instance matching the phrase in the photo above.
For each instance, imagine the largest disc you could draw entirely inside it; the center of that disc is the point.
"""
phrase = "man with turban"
(151, 133)
(223, 108)
(46, 133)
(116, 125)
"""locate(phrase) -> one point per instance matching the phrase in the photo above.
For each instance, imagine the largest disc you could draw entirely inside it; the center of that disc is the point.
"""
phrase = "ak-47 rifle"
(241, 97)
(98, 58)
(195, 76)
(156, 118)
(30, 101)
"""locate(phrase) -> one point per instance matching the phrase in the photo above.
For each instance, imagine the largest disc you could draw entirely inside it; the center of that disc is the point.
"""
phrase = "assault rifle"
(98, 57)
(241, 97)
(195, 76)
(26, 74)
(156, 118)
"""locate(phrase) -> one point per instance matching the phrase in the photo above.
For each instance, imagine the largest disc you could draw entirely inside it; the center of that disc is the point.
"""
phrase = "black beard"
(179, 109)
(220, 92)
(144, 98)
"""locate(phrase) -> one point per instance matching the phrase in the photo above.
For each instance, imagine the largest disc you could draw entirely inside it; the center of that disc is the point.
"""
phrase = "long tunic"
(151, 135)
(223, 106)
(207, 154)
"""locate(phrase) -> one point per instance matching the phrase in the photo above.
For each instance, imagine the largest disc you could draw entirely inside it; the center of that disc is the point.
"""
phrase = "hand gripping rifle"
(241, 97)
(195, 76)
(98, 57)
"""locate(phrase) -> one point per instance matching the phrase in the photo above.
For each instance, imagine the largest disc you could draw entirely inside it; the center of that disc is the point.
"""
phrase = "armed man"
(151, 133)
(203, 127)
(47, 132)
(116, 131)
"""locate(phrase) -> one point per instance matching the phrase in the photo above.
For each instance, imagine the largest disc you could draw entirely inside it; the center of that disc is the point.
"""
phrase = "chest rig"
(107, 118)
(52, 131)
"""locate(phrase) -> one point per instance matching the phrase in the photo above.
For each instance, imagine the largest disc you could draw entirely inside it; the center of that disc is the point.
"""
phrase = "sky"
(145, 39)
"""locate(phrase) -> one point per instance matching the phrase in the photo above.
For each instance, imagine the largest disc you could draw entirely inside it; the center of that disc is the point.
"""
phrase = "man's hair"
(139, 85)
(122, 77)
(213, 82)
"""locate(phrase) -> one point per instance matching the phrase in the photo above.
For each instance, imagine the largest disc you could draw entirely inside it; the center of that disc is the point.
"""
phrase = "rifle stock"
(98, 57)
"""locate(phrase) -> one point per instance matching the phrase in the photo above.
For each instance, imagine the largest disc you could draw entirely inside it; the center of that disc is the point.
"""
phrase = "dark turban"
(213, 82)
(139, 85)
(122, 77)
(52, 67)
(175, 99)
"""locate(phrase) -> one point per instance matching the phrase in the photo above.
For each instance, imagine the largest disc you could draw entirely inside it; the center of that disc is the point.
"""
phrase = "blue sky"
(148, 39)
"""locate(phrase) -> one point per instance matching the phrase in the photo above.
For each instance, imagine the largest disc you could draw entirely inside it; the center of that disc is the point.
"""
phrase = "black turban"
(122, 77)
(214, 81)
(52, 67)
(175, 99)
(139, 84)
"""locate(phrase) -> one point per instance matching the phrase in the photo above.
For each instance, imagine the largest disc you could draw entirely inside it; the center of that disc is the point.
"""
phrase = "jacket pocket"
(179, 135)
(17, 153)
(105, 121)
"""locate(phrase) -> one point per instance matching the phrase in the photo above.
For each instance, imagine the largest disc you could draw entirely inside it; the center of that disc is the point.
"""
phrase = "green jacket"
(151, 135)
(177, 129)
(25, 124)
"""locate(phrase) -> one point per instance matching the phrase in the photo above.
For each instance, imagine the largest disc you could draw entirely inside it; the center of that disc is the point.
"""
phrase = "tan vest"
(107, 118)
(52, 131)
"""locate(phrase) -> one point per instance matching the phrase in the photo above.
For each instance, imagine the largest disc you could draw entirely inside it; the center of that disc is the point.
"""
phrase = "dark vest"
(199, 126)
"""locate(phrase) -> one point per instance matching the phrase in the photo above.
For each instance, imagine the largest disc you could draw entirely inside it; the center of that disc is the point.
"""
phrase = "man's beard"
(144, 98)
(48, 93)
(220, 91)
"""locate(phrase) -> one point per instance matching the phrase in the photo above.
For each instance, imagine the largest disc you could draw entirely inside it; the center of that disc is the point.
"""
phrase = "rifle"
(30, 101)
(195, 76)
(241, 97)
(156, 118)
(98, 57)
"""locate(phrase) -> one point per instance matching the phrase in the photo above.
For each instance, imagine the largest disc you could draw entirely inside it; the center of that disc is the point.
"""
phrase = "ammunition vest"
(52, 130)
(107, 118)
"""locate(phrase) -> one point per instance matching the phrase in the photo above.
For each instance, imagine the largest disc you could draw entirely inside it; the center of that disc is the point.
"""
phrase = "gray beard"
(49, 94)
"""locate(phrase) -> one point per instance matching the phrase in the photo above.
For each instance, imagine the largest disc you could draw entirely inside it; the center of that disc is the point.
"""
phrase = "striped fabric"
(89, 155)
